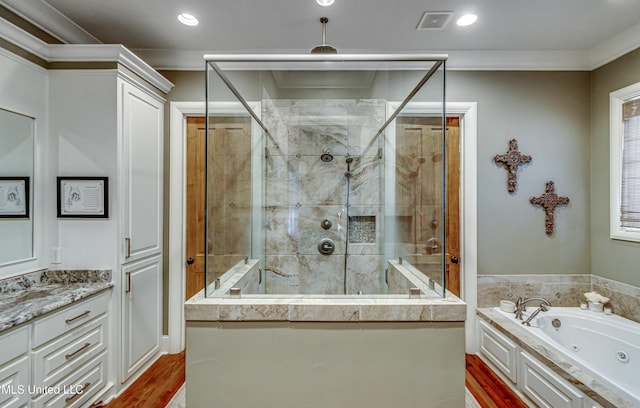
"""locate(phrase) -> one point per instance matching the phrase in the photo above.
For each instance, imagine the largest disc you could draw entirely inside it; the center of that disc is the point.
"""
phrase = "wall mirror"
(16, 187)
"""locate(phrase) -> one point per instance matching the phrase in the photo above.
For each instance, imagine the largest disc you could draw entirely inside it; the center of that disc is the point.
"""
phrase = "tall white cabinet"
(108, 121)
(142, 119)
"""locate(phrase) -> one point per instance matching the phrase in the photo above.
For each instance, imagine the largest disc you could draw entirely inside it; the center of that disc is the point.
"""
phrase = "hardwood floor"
(487, 388)
(156, 387)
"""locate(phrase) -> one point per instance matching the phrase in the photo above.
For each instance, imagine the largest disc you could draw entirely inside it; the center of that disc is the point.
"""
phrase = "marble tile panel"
(321, 274)
(363, 274)
(282, 230)
(324, 312)
(282, 274)
(399, 310)
(560, 290)
(201, 312)
(624, 299)
(322, 183)
(246, 310)
(283, 180)
(444, 310)
(314, 138)
(311, 231)
(366, 181)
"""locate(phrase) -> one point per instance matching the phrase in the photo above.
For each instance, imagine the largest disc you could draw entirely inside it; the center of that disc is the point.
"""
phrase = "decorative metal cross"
(549, 201)
(511, 160)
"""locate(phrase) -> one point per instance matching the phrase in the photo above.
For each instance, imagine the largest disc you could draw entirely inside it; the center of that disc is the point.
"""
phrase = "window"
(625, 163)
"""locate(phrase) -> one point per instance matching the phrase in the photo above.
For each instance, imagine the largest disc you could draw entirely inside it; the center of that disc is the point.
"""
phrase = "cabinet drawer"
(546, 388)
(13, 344)
(68, 353)
(501, 351)
(14, 380)
(71, 317)
(77, 389)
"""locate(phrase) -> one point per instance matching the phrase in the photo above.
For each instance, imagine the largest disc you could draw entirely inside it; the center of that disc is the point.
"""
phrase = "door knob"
(190, 261)
(454, 259)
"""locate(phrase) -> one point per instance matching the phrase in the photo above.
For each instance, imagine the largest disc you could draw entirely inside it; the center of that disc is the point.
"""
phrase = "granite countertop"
(552, 359)
(28, 296)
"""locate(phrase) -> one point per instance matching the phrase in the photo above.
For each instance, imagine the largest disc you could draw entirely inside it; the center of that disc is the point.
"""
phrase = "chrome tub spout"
(541, 308)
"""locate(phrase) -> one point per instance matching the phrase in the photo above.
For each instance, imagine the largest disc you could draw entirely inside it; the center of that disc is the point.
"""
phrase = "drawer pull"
(80, 316)
(127, 242)
(78, 393)
(128, 283)
(80, 350)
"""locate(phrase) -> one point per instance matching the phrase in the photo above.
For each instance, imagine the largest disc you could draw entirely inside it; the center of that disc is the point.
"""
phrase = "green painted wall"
(613, 259)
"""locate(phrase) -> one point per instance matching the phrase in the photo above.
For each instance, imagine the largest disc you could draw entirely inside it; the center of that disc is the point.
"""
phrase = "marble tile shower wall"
(302, 191)
(560, 290)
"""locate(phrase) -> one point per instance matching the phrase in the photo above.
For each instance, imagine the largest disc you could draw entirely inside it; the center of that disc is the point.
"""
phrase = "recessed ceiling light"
(466, 20)
(325, 3)
(188, 19)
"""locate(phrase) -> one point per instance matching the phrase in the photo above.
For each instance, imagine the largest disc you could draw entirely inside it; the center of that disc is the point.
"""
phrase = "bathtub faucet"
(541, 308)
(522, 301)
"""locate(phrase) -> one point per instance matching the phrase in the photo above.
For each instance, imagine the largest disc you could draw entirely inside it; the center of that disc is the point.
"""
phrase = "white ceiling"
(509, 34)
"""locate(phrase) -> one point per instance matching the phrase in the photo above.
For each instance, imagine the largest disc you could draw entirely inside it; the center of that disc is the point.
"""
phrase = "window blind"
(630, 187)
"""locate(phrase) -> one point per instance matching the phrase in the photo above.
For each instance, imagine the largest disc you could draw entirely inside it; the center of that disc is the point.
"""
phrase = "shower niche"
(324, 179)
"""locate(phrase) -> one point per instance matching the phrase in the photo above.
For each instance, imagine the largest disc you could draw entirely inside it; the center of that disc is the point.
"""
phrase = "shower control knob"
(455, 259)
(190, 261)
(326, 246)
(326, 224)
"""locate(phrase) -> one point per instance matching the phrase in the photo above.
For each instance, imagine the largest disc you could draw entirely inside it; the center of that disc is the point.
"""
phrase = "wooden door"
(452, 259)
(228, 239)
(195, 205)
(419, 177)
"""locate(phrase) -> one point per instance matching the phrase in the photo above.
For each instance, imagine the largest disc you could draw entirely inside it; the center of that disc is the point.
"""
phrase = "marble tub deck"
(28, 296)
(552, 359)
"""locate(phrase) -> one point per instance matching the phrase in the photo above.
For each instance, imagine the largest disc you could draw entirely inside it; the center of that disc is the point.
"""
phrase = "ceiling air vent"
(434, 20)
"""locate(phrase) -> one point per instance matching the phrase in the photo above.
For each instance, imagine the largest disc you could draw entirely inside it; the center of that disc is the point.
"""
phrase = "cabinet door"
(142, 164)
(544, 387)
(142, 313)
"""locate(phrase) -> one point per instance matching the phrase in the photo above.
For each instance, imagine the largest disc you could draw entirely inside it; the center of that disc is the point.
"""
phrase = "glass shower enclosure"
(323, 167)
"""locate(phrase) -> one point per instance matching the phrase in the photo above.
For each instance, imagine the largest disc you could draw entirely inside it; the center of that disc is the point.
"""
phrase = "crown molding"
(83, 53)
(192, 60)
(615, 47)
(47, 18)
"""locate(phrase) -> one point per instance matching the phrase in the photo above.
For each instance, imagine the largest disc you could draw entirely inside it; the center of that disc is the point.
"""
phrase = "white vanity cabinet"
(69, 354)
(58, 360)
(14, 368)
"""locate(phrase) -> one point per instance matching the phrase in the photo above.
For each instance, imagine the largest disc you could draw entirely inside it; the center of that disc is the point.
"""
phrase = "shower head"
(324, 48)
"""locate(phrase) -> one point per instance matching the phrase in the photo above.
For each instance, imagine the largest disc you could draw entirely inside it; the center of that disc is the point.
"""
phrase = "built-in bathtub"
(597, 353)
(403, 348)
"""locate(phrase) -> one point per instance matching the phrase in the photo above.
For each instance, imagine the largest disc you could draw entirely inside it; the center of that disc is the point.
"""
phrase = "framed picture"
(14, 197)
(83, 197)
